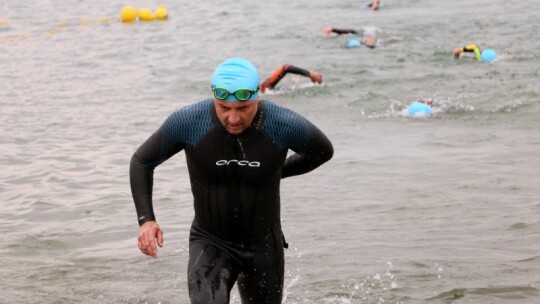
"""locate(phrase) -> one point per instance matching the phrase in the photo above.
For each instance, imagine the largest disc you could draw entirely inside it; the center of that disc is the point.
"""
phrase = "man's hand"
(149, 234)
(457, 52)
(327, 30)
(315, 77)
(264, 85)
(374, 5)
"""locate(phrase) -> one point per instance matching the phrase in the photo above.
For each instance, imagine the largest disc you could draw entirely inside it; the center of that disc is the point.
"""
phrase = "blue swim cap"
(353, 43)
(234, 74)
(488, 55)
(419, 109)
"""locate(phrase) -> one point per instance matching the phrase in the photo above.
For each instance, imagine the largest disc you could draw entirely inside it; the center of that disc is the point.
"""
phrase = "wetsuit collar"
(253, 128)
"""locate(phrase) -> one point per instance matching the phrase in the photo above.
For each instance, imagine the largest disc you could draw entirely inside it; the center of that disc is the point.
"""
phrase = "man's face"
(236, 116)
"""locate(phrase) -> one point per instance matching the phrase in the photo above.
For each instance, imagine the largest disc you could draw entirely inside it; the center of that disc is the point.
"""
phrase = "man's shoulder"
(192, 113)
(285, 126)
(189, 123)
(198, 108)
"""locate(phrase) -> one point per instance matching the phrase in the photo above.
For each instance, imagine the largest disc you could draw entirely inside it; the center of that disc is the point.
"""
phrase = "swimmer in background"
(422, 107)
(374, 5)
(469, 48)
(369, 41)
(270, 82)
(487, 55)
(329, 30)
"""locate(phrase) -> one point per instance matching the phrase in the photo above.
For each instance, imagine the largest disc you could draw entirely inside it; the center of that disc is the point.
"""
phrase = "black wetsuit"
(344, 31)
(236, 233)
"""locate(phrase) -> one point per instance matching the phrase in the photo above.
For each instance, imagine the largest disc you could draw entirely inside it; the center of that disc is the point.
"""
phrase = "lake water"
(410, 210)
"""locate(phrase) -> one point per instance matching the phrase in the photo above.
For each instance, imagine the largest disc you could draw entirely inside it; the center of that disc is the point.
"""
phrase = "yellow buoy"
(145, 14)
(128, 13)
(161, 13)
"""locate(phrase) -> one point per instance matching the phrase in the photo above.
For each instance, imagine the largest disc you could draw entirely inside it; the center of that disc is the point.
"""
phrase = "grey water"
(441, 209)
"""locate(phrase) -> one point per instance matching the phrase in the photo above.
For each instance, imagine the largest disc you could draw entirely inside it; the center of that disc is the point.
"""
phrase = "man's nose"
(234, 117)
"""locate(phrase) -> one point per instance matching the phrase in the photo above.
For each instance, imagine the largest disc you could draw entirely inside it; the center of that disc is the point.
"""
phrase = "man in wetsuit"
(279, 73)
(236, 150)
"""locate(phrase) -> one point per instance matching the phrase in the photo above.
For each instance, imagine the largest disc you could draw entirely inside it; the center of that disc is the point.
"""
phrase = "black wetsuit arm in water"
(279, 73)
(344, 31)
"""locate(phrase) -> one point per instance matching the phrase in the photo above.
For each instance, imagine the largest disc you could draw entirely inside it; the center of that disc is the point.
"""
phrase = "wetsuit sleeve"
(296, 70)
(279, 73)
(344, 31)
(141, 173)
(472, 48)
(309, 154)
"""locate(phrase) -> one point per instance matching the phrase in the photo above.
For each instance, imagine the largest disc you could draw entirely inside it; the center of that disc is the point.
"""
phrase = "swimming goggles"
(240, 94)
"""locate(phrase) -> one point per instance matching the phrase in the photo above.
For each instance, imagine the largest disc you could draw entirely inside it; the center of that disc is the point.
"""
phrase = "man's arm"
(141, 177)
(312, 75)
(159, 147)
(316, 151)
(340, 31)
(279, 73)
(147, 157)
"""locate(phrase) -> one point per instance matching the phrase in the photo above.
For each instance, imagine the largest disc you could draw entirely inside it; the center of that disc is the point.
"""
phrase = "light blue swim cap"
(419, 109)
(236, 73)
(488, 55)
(353, 43)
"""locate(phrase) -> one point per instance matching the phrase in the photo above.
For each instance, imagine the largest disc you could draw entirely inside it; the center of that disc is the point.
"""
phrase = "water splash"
(374, 288)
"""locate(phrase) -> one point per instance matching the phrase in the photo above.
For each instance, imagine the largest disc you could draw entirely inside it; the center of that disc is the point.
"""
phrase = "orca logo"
(238, 162)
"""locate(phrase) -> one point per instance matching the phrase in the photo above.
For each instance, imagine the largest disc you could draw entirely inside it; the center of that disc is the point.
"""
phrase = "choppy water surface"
(435, 210)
